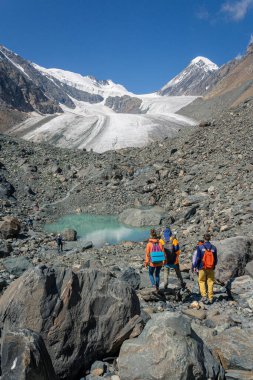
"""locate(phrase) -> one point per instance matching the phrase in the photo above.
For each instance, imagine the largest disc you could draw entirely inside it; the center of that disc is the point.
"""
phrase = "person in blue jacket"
(206, 262)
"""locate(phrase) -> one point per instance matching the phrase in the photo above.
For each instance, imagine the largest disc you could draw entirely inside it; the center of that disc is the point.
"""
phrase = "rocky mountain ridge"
(195, 79)
(233, 85)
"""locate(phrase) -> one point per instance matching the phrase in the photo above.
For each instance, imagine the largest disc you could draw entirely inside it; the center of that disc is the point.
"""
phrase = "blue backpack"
(156, 255)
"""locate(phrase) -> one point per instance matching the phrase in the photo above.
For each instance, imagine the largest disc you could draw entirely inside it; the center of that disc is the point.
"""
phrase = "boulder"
(16, 265)
(25, 357)
(69, 234)
(9, 227)
(234, 348)
(249, 269)
(194, 313)
(86, 245)
(233, 255)
(168, 349)
(242, 291)
(142, 217)
(131, 277)
(79, 315)
(6, 188)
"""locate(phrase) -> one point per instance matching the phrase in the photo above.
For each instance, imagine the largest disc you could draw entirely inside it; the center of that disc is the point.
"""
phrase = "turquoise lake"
(99, 229)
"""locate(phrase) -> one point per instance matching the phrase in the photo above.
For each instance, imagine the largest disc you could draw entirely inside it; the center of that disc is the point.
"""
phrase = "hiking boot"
(204, 300)
(210, 302)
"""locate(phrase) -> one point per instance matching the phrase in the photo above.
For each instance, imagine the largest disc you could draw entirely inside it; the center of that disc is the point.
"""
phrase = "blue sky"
(139, 43)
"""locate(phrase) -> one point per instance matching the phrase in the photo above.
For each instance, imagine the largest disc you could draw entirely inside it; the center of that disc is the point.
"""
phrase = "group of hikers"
(163, 251)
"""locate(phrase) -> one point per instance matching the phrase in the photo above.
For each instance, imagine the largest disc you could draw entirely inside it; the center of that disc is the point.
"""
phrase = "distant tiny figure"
(30, 222)
(59, 241)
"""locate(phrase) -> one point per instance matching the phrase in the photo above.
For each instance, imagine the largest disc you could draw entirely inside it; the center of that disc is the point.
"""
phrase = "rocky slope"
(202, 178)
(199, 181)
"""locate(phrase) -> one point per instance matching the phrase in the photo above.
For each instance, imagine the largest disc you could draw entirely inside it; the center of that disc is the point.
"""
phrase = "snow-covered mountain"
(70, 110)
(195, 79)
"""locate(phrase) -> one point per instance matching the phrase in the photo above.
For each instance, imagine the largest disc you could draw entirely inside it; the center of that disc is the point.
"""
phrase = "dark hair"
(207, 237)
(153, 233)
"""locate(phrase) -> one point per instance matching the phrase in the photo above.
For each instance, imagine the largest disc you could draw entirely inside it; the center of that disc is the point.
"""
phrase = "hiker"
(172, 252)
(206, 262)
(30, 222)
(194, 271)
(59, 240)
(154, 258)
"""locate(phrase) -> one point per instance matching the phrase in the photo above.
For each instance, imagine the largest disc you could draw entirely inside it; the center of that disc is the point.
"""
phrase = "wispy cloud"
(251, 39)
(236, 10)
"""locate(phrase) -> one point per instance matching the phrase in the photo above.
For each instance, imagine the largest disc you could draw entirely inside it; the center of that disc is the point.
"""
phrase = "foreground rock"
(233, 254)
(79, 315)
(233, 348)
(25, 357)
(242, 291)
(168, 349)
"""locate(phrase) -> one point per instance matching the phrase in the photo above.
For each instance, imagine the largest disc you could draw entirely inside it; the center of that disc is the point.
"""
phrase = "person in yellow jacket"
(172, 252)
(154, 268)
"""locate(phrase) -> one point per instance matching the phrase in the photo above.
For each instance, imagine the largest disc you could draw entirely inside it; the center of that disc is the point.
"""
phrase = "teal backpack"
(156, 255)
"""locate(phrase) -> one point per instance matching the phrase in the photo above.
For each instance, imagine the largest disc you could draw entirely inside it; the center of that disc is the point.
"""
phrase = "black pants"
(60, 247)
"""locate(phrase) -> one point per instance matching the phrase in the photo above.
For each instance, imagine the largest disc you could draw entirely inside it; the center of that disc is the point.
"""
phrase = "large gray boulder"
(168, 349)
(242, 291)
(142, 217)
(233, 255)
(249, 269)
(69, 234)
(79, 315)
(131, 277)
(234, 348)
(25, 357)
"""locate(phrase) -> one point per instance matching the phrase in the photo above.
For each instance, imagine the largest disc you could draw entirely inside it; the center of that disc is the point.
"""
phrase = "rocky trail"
(91, 313)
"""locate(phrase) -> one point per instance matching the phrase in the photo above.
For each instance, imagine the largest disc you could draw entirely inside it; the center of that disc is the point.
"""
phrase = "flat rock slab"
(142, 217)
(150, 294)
(194, 313)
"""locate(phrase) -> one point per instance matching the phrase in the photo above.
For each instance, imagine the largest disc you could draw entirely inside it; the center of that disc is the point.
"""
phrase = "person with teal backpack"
(154, 258)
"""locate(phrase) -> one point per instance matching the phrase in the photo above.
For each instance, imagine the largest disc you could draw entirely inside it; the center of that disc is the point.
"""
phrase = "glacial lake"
(100, 229)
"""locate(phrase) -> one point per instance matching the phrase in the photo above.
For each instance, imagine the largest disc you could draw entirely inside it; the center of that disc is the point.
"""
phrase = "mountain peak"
(193, 80)
(202, 60)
